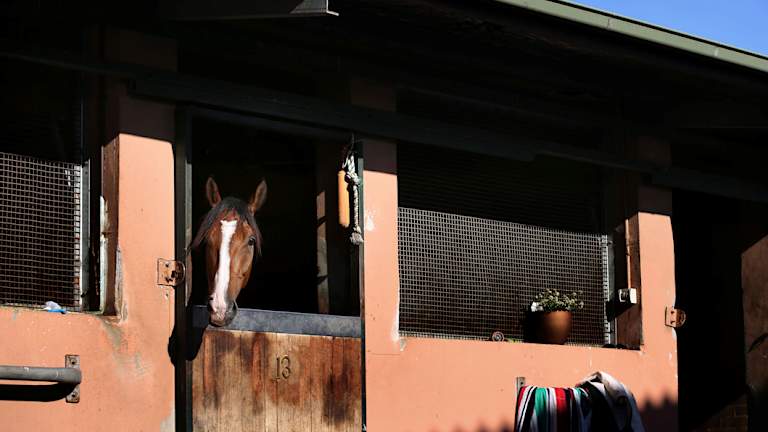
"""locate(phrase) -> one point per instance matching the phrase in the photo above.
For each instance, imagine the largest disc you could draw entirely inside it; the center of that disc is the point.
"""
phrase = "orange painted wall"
(415, 384)
(127, 375)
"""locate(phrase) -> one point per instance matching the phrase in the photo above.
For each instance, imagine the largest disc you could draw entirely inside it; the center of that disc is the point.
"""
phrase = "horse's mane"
(226, 205)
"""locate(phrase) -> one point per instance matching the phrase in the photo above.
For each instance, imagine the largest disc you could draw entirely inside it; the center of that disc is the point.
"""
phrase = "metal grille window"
(40, 225)
(43, 200)
(478, 238)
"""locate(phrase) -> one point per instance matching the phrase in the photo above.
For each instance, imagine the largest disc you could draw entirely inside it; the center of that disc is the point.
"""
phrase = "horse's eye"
(251, 241)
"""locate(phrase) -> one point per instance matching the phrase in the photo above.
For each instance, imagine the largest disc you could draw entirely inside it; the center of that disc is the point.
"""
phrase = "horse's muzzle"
(229, 316)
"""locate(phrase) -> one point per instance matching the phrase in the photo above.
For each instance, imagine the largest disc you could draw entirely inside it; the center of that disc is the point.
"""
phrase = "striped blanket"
(553, 409)
(600, 403)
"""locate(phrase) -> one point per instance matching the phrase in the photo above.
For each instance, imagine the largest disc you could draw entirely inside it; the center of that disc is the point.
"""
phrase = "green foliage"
(551, 300)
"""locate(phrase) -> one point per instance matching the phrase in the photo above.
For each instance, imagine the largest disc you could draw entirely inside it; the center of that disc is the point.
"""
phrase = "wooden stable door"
(251, 381)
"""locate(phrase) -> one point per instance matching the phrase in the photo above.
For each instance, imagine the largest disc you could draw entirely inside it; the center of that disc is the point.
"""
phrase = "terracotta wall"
(127, 374)
(416, 384)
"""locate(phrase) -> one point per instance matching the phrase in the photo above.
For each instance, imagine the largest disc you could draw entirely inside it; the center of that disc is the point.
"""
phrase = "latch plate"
(674, 317)
(73, 361)
(169, 272)
(519, 383)
(628, 295)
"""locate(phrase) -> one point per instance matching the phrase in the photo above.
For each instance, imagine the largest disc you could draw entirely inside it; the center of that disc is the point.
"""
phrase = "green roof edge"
(645, 31)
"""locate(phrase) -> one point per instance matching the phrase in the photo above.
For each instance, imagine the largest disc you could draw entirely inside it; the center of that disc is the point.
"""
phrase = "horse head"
(232, 242)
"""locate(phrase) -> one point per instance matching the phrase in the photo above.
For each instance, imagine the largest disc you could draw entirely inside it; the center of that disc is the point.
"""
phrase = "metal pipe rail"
(63, 375)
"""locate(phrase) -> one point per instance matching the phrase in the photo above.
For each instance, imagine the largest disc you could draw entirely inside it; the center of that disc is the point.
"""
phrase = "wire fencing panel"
(40, 232)
(466, 277)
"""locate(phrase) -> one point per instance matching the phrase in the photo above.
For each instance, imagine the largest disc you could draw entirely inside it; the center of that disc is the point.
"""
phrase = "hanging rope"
(356, 237)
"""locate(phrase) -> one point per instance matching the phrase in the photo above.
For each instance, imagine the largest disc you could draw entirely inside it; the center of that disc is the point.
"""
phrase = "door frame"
(189, 319)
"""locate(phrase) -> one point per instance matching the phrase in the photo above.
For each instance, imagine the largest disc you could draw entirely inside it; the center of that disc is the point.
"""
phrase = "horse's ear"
(212, 192)
(258, 197)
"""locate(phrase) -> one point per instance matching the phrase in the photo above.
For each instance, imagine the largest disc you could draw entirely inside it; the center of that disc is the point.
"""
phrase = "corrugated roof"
(645, 31)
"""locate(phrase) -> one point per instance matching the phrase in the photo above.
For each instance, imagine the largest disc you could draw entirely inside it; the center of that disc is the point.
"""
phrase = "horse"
(232, 243)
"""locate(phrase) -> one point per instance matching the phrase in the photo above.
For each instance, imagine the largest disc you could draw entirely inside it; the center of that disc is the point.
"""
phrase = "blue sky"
(739, 23)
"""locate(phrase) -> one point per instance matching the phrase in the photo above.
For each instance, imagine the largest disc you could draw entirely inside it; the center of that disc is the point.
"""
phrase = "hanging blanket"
(600, 403)
(613, 405)
(552, 409)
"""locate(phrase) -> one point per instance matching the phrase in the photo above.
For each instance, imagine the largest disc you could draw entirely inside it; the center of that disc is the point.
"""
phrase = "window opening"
(479, 237)
(42, 177)
(305, 265)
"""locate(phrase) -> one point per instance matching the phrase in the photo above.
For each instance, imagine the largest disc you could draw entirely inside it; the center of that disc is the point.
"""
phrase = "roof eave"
(643, 31)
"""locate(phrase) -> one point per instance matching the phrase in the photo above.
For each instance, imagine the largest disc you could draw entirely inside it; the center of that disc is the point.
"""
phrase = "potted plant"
(551, 316)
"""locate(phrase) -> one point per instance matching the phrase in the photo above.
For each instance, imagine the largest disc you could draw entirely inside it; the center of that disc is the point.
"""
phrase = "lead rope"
(356, 237)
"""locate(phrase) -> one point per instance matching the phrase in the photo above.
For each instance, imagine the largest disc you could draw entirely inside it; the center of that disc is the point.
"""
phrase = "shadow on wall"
(504, 427)
(660, 417)
(35, 392)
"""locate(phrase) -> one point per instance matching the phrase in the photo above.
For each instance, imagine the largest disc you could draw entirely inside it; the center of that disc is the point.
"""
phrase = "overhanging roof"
(644, 31)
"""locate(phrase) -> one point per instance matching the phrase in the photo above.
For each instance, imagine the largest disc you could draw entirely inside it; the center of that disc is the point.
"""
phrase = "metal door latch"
(628, 295)
(169, 272)
(674, 317)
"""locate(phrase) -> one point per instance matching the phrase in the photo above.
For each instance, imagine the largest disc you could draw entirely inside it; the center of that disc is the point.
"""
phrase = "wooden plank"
(345, 389)
(254, 411)
(227, 394)
(342, 396)
(197, 400)
(294, 410)
(269, 374)
(320, 356)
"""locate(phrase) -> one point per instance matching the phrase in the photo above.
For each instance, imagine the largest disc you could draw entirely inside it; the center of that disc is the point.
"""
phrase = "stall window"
(479, 237)
(43, 188)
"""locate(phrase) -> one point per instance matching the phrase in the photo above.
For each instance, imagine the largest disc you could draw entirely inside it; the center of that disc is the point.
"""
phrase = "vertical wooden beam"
(183, 238)
(323, 298)
(333, 248)
(108, 229)
(337, 259)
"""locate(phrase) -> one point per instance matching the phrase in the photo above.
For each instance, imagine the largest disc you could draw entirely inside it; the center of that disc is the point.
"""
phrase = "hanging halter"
(353, 182)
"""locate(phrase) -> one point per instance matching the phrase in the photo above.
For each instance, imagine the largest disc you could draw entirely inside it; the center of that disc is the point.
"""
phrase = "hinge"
(170, 273)
(674, 317)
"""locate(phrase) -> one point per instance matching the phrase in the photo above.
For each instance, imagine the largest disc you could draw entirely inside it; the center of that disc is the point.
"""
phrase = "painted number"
(283, 367)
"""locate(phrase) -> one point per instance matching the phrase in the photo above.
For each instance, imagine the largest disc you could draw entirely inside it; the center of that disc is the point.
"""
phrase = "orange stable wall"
(128, 382)
(419, 384)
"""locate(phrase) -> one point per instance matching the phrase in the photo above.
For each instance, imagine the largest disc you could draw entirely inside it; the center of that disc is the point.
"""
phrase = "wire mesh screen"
(466, 277)
(40, 227)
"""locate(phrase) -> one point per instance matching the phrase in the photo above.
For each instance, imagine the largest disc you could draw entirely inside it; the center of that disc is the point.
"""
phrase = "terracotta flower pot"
(550, 327)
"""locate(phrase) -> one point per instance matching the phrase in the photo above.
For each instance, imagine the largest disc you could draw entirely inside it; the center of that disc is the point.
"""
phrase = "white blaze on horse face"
(221, 281)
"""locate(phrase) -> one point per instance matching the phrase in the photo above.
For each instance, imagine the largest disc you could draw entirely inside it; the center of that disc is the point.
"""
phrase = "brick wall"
(732, 418)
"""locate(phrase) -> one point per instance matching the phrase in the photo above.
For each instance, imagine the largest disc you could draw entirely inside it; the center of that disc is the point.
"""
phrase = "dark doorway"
(711, 362)
(306, 257)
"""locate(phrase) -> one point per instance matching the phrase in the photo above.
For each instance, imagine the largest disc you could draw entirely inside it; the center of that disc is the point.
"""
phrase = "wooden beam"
(717, 115)
(158, 84)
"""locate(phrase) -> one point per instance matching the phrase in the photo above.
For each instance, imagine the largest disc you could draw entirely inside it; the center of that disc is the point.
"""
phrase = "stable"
(428, 169)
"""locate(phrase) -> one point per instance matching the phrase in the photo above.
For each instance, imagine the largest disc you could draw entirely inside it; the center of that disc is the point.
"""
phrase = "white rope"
(356, 237)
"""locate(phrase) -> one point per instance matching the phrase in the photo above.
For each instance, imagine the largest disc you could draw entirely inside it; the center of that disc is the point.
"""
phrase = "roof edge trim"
(640, 30)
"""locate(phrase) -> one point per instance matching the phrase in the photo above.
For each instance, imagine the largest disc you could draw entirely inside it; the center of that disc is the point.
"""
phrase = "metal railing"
(61, 375)
(69, 375)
